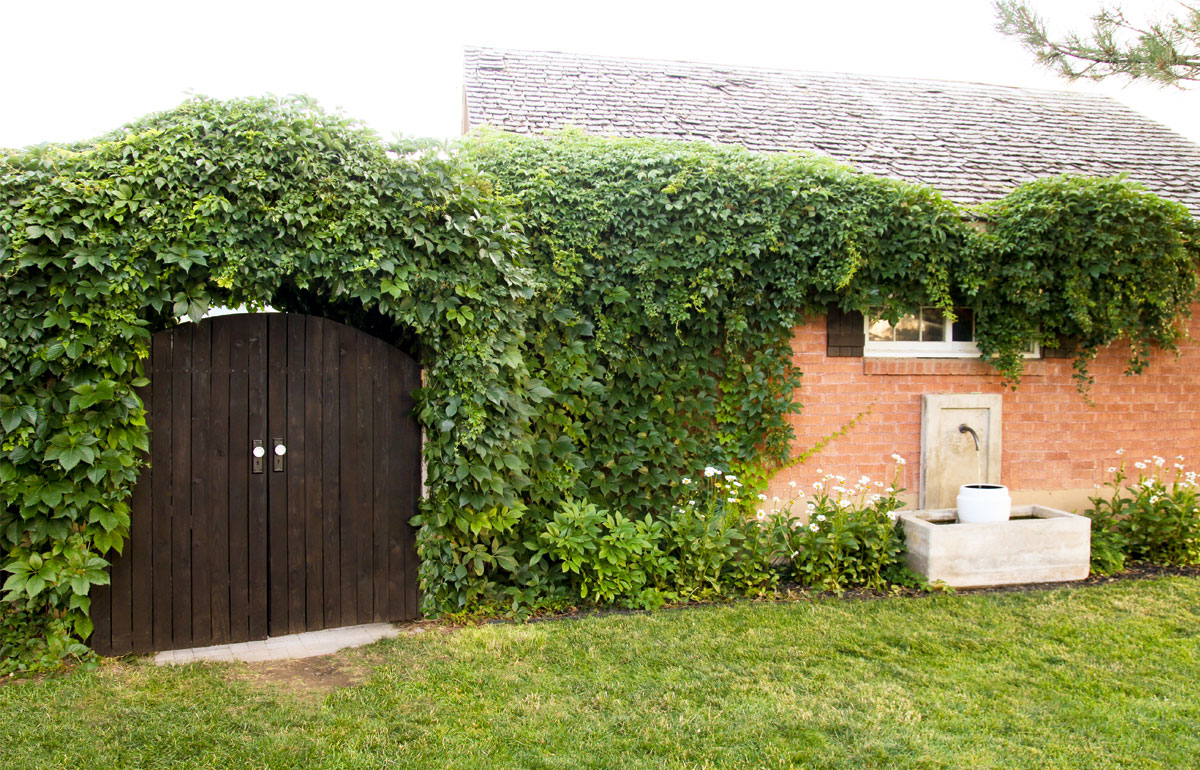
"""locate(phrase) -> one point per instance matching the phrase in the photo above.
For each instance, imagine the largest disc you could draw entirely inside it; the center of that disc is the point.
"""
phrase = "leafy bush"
(611, 559)
(850, 538)
(1150, 520)
(32, 641)
(705, 547)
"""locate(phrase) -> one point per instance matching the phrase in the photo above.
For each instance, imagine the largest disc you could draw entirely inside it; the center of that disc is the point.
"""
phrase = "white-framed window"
(925, 334)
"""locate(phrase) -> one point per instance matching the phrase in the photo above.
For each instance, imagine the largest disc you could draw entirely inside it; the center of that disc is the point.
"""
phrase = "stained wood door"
(226, 546)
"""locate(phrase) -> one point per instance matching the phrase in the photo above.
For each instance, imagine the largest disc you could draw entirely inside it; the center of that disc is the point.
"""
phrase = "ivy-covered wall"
(597, 318)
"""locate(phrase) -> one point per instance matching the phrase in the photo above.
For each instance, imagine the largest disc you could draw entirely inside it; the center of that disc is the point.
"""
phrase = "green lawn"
(1092, 677)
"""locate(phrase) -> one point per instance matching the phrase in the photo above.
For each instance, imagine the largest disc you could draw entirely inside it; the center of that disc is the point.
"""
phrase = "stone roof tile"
(973, 142)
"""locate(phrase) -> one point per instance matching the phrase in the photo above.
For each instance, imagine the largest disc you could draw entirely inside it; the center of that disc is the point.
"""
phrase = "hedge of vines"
(596, 317)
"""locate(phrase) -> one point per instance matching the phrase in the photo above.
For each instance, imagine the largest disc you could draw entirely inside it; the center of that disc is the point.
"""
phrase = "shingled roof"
(972, 142)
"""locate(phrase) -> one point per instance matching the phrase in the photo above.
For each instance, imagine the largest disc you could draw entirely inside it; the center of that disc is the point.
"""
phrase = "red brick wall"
(1052, 438)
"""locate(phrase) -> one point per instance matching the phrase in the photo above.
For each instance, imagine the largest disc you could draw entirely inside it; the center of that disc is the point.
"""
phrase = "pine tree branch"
(1165, 51)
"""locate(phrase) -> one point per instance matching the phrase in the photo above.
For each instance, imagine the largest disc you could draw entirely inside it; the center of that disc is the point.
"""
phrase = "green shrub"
(32, 641)
(850, 538)
(609, 558)
(1151, 520)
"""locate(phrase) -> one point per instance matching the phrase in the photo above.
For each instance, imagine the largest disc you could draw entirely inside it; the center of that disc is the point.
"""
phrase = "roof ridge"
(780, 71)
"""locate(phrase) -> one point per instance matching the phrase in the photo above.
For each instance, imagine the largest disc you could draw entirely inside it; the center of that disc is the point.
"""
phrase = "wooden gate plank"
(181, 488)
(140, 549)
(161, 444)
(277, 504)
(313, 475)
(349, 474)
(100, 607)
(201, 479)
(218, 453)
(121, 587)
(403, 487)
(297, 469)
(362, 516)
(330, 461)
(381, 504)
(257, 351)
(239, 480)
(395, 492)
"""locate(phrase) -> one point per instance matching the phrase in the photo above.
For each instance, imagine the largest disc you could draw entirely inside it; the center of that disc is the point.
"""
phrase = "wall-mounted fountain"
(960, 444)
(983, 540)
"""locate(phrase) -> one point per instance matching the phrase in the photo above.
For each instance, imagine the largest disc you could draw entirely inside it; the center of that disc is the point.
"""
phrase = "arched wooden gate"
(284, 469)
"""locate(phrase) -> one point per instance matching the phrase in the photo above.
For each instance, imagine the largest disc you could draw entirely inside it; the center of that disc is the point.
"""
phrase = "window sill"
(943, 367)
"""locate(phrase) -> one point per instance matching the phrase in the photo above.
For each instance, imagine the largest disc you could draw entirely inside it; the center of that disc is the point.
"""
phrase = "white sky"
(72, 70)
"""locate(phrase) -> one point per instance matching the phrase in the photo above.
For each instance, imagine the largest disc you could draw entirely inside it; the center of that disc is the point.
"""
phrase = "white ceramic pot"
(980, 503)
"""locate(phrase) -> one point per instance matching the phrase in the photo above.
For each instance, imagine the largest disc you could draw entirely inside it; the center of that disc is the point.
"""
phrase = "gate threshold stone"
(305, 645)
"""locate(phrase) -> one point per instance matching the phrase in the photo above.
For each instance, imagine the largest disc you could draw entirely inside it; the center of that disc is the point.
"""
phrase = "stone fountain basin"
(1036, 545)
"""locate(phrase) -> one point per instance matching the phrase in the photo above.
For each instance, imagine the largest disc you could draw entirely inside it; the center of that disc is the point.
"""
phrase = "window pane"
(964, 327)
(908, 329)
(933, 324)
(880, 330)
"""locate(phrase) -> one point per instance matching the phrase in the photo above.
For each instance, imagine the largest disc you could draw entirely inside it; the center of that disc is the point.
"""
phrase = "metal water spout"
(964, 428)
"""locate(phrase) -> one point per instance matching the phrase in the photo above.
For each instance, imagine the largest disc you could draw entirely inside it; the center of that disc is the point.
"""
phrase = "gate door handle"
(280, 450)
(257, 453)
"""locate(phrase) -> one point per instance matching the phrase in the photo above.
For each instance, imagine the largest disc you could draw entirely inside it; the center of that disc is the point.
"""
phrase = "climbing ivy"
(1071, 261)
(596, 317)
(675, 275)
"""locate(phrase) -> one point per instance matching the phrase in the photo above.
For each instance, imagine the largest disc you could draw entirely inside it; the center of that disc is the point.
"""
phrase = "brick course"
(1052, 438)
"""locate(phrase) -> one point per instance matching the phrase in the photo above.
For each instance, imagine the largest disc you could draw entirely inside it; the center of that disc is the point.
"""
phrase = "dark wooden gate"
(228, 547)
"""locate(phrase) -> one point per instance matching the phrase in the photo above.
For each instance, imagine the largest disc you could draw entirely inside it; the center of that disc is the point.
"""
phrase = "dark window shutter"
(844, 334)
(1066, 349)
